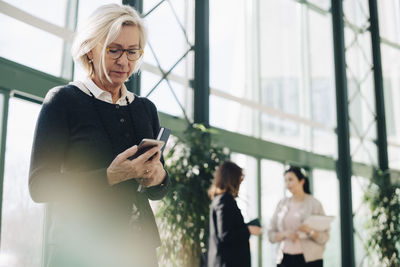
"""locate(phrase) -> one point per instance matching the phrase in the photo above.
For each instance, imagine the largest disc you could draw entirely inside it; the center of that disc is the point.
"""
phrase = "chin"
(118, 81)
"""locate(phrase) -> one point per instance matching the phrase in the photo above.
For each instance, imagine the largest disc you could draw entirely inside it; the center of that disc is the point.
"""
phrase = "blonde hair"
(105, 24)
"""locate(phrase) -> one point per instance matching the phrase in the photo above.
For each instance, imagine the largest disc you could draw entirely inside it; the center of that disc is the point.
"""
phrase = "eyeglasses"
(116, 53)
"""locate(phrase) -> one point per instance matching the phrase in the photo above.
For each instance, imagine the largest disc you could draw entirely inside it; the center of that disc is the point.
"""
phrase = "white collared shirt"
(88, 86)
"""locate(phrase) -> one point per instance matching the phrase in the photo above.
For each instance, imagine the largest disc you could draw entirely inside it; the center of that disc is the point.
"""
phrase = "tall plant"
(383, 226)
(183, 215)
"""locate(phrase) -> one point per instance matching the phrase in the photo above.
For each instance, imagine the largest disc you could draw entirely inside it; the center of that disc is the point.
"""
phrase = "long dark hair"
(227, 178)
(300, 176)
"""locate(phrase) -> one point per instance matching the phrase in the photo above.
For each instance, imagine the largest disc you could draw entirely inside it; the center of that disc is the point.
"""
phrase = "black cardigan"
(76, 139)
(228, 244)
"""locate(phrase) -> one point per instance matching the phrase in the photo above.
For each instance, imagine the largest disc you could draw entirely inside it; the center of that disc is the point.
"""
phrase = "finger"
(145, 156)
(126, 154)
(156, 156)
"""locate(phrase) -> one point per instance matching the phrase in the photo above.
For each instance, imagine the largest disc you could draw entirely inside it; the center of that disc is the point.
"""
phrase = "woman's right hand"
(286, 235)
(123, 169)
(255, 230)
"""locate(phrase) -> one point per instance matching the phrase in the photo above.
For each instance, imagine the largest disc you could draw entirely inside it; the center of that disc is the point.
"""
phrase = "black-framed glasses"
(132, 54)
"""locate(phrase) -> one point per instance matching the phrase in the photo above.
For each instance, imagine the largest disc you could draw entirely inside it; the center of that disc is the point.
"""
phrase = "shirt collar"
(106, 96)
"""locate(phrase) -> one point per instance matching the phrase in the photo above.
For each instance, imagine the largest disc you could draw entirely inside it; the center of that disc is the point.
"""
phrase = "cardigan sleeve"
(159, 191)
(228, 218)
(323, 236)
(47, 180)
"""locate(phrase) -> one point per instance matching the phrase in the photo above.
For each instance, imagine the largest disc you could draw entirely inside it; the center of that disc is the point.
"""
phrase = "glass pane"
(283, 38)
(247, 199)
(149, 4)
(232, 116)
(167, 50)
(324, 4)
(54, 11)
(284, 131)
(389, 20)
(394, 156)
(325, 143)
(356, 12)
(326, 190)
(30, 46)
(360, 211)
(87, 7)
(280, 39)
(272, 190)
(184, 10)
(323, 104)
(361, 97)
(163, 95)
(228, 51)
(22, 219)
(391, 83)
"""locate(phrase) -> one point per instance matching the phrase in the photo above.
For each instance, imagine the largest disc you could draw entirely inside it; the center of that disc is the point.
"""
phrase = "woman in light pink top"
(300, 245)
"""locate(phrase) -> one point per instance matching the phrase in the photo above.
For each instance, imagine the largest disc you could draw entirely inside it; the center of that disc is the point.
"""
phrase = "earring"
(90, 60)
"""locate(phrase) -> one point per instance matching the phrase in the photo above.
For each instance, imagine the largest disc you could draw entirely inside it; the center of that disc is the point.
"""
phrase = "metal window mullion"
(378, 83)
(134, 83)
(201, 63)
(344, 166)
(3, 140)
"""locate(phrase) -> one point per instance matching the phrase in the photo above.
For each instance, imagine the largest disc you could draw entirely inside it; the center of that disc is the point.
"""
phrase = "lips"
(119, 73)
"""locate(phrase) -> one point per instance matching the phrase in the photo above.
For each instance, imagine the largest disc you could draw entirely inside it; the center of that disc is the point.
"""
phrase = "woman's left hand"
(308, 230)
(304, 228)
(154, 172)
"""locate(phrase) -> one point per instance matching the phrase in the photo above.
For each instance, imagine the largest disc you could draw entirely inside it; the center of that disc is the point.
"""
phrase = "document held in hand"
(319, 222)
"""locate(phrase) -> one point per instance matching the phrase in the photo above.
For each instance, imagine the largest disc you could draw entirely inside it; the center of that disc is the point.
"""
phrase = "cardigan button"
(122, 120)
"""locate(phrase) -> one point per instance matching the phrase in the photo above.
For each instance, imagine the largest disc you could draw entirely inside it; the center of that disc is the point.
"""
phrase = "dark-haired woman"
(228, 244)
(287, 223)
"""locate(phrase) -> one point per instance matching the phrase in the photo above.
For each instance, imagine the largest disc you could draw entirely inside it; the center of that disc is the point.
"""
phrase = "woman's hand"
(255, 230)
(123, 169)
(154, 173)
(293, 236)
(308, 231)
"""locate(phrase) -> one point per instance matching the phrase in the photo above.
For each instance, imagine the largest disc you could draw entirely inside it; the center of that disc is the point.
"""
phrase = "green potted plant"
(383, 226)
(183, 214)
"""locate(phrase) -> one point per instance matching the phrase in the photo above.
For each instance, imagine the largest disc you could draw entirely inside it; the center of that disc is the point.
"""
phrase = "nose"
(123, 59)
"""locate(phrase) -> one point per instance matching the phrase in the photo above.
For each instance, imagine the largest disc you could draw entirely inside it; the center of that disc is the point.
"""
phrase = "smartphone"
(163, 135)
(147, 144)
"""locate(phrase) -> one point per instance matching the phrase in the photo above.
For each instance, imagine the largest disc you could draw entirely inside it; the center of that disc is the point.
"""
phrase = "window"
(247, 199)
(22, 219)
(272, 191)
(30, 46)
(326, 190)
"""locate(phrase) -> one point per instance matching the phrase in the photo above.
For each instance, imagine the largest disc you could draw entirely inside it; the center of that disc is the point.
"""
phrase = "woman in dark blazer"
(228, 244)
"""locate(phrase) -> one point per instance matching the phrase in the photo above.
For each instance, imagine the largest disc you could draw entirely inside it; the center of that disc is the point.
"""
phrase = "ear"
(90, 55)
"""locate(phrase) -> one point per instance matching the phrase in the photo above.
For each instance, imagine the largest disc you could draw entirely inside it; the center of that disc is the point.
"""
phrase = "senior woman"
(86, 134)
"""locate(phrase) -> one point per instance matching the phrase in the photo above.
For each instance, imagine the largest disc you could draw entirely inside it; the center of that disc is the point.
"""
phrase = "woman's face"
(120, 69)
(293, 184)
